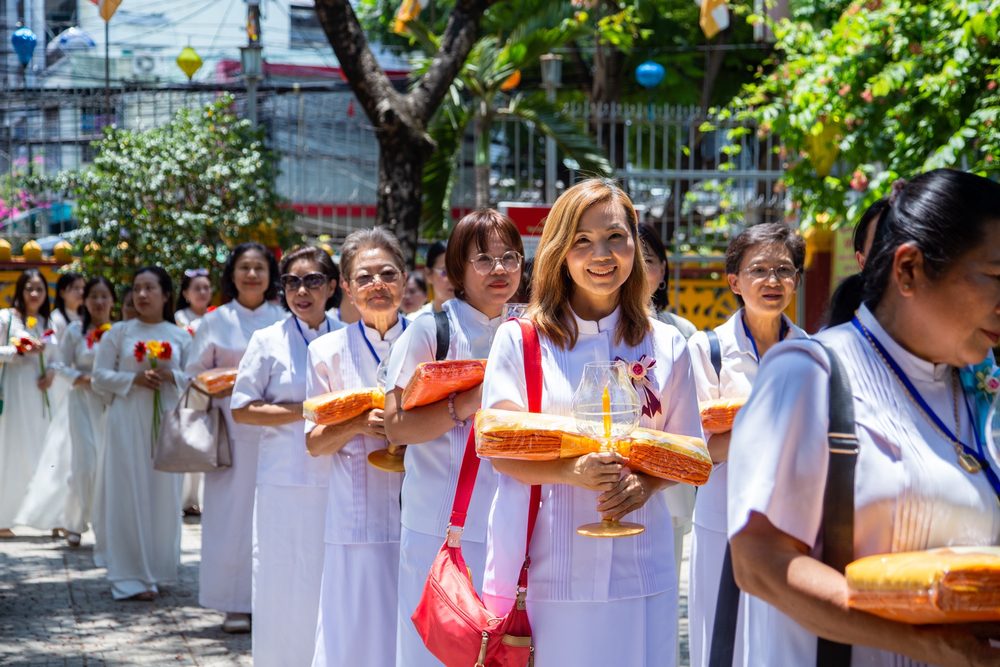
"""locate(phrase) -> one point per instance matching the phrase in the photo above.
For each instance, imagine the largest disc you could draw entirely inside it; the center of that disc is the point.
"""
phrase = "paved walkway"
(56, 609)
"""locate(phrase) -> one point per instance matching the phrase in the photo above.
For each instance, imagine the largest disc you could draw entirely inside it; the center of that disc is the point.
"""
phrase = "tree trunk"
(484, 125)
(400, 188)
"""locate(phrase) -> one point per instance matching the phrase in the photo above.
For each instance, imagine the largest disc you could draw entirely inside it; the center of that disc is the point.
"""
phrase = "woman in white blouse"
(25, 419)
(931, 309)
(590, 601)
(357, 610)
(290, 502)
(250, 279)
(763, 264)
(137, 508)
(483, 259)
(65, 311)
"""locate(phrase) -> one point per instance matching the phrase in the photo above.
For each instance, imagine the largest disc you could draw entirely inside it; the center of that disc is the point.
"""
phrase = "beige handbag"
(192, 440)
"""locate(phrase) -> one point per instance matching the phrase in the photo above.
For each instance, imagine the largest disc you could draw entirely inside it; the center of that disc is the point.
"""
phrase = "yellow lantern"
(824, 147)
(512, 81)
(189, 61)
(63, 252)
(92, 248)
(4, 250)
(32, 252)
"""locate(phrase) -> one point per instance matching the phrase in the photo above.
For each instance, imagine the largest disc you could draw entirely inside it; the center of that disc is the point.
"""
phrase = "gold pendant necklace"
(968, 462)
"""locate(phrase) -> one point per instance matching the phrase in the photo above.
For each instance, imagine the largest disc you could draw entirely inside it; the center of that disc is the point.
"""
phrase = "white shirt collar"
(743, 343)
(589, 327)
(259, 310)
(311, 334)
(391, 335)
(914, 367)
(473, 314)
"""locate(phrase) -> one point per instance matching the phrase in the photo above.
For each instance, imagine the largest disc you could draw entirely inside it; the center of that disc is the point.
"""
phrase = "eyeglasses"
(194, 273)
(510, 261)
(390, 277)
(312, 281)
(783, 272)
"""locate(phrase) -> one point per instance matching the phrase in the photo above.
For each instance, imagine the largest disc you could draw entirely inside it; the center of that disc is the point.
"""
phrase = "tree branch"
(376, 94)
(456, 43)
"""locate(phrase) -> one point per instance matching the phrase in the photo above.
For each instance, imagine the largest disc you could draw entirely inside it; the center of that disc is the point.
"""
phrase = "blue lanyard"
(746, 330)
(978, 453)
(301, 333)
(361, 326)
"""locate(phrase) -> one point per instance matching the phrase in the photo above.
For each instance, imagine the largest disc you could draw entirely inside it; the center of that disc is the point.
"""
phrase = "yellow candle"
(606, 405)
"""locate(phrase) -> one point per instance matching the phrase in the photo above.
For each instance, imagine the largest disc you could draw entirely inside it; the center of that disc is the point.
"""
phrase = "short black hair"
(769, 233)
(436, 249)
(273, 278)
(651, 240)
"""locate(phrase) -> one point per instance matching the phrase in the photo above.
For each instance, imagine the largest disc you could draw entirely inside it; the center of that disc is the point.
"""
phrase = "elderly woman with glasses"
(250, 279)
(483, 260)
(357, 606)
(762, 265)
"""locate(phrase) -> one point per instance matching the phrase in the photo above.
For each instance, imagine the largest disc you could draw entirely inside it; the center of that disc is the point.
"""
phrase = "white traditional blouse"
(274, 370)
(910, 493)
(432, 467)
(363, 505)
(565, 565)
(188, 319)
(76, 355)
(739, 371)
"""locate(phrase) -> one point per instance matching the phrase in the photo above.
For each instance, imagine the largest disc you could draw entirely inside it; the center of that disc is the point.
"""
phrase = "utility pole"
(551, 79)
(251, 58)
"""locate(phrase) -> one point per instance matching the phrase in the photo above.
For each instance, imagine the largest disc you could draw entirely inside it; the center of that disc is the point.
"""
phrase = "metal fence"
(697, 187)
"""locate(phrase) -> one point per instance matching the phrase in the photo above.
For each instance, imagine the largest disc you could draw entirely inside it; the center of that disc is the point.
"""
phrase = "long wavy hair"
(552, 286)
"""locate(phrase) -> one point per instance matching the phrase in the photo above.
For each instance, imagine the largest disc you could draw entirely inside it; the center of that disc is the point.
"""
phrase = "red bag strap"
(470, 462)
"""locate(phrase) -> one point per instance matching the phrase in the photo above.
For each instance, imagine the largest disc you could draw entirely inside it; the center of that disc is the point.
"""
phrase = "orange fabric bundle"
(339, 406)
(679, 458)
(216, 380)
(434, 380)
(539, 437)
(717, 416)
(508, 434)
(947, 585)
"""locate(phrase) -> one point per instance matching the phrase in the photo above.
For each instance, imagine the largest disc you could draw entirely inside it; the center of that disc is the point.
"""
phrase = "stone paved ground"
(56, 609)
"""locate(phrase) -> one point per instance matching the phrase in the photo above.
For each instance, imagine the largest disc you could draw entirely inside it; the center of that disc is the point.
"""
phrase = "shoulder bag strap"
(470, 462)
(838, 525)
(3, 367)
(715, 352)
(443, 335)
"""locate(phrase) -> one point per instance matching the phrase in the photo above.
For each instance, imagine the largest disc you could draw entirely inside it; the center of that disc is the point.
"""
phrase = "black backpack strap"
(443, 335)
(715, 352)
(838, 525)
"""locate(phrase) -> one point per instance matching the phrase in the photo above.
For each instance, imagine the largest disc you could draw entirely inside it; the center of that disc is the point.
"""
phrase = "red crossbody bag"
(451, 618)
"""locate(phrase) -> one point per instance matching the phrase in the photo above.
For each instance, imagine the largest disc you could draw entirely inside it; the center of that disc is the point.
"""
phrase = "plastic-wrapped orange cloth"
(216, 380)
(947, 585)
(434, 380)
(717, 415)
(539, 437)
(339, 406)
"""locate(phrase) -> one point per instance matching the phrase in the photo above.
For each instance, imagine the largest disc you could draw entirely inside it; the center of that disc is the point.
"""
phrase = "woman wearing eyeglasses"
(483, 260)
(763, 265)
(437, 279)
(357, 610)
(290, 501)
(250, 279)
(196, 294)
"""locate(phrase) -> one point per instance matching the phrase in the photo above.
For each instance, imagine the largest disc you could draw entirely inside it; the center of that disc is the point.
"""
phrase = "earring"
(907, 286)
(662, 285)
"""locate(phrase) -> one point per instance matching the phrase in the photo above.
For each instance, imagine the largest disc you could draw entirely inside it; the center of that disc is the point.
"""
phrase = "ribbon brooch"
(638, 372)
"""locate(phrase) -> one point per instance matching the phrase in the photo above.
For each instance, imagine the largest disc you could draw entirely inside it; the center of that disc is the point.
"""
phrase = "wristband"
(451, 410)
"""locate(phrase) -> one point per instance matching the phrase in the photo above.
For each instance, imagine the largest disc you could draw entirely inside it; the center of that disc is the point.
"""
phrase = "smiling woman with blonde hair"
(590, 601)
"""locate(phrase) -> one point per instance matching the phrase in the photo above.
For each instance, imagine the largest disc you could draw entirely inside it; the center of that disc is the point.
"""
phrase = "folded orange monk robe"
(947, 585)
(339, 406)
(434, 380)
(216, 380)
(717, 415)
(679, 458)
(540, 437)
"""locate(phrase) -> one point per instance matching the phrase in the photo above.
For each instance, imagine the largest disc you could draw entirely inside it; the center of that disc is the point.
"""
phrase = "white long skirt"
(44, 504)
(357, 611)
(140, 508)
(417, 552)
(638, 632)
(86, 427)
(708, 551)
(226, 576)
(287, 573)
(22, 432)
(194, 490)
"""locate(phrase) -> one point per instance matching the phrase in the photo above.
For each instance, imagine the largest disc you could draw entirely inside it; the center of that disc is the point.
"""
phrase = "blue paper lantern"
(650, 74)
(24, 42)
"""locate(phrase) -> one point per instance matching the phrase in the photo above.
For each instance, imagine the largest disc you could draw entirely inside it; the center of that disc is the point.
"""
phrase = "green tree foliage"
(179, 196)
(891, 89)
